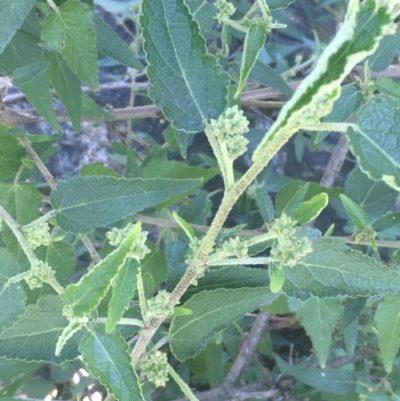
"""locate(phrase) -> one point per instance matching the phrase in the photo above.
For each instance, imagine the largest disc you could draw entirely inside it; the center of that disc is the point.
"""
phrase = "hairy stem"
(182, 385)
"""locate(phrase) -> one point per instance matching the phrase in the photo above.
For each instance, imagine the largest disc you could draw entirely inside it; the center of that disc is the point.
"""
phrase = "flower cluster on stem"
(38, 235)
(154, 366)
(40, 273)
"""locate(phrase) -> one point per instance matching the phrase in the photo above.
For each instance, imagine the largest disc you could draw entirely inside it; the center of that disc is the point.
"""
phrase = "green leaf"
(388, 87)
(232, 277)
(122, 292)
(385, 52)
(333, 269)
(186, 227)
(187, 84)
(12, 15)
(12, 296)
(203, 12)
(84, 296)
(155, 263)
(310, 210)
(92, 110)
(365, 25)
(11, 368)
(32, 81)
(352, 310)
(355, 212)
(330, 380)
(111, 45)
(213, 311)
(291, 196)
(387, 318)
(70, 32)
(253, 43)
(265, 204)
(98, 169)
(67, 86)
(388, 221)
(375, 197)
(278, 4)
(376, 143)
(319, 317)
(104, 200)
(11, 153)
(35, 335)
(107, 358)
(277, 280)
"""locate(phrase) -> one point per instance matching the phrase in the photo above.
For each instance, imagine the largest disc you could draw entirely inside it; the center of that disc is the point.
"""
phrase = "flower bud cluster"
(40, 273)
(289, 248)
(366, 234)
(38, 235)
(154, 366)
(228, 128)
(158, 306)
(225, 10)
(139, 249)
(235, 247)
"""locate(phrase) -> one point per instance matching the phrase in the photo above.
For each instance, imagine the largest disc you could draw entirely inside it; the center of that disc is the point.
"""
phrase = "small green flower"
(38, 235)
(283, 227)
(236, 247)
(39, 274)
(154, 367)
(158, 306)
(225, 10)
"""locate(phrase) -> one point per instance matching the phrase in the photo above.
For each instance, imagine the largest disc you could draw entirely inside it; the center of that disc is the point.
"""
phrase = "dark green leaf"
(388, 221)
(265, 204)
(11, 368)
(11, 153)
(107, 357)
(352, 310)
(70, 32)
(333, 269)
(123, 290)
(388, 87)
(84, 296)
(213, 311)
(35, 335)
(98, 169)
(329, 380)
(319, 317)
(175, 255)
(67, 86)
(92, 110)
(376, 144)
(187, 84)
(104, 200)
(12, 15)
(155, 263)
(203, 12)
(253, 43)
(111, 45)
(355, 212)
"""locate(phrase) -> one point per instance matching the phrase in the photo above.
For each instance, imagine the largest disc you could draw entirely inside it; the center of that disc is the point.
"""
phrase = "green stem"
(52, 5)
(15, 228)
(42, 219)
(228, 162)
(124, 320)
(182, 385)
(235, 25)
(260, 238)
(242, 261)
(56, 286)
(338, 127)
(19, 277)
(142, 298)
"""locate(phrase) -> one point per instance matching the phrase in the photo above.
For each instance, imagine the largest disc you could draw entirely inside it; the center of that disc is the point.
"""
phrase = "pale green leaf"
(11, 153)
(333, 269)
(319, 317)
(253, 43)
(329, 380)
(107, 358)
(388, 86)
(32, 81)
(375, 197)
(387, 318)
(12, 15)
(123, 291)
(84, 296)
(203, 12)
(376, 143)
(35, 335)
(213, 311)
(84, 203)
(70, 32)
(187, 84)
(310, 210)
(73, 327)
(111, 45)
(365, 25)
(186, 227)
(67, 86)
(355, 212)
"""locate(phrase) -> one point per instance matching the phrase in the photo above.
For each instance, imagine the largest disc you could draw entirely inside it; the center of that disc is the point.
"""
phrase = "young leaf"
(35, 335)
(319, 317)
(310, 210)
(67, 86)
(70, 32)
(254, 41)
(333, 269)
(212, 312)
(12, 15)
(329, 380)
(187, 84)
(387, 318)
(375, 144)
(11, 153)
(73, 327)
(107, 357)
(388, 86)
(277, 280)
(111, 45)
(104, 200)
(364, 26)
(88, 292)
(184, 225)
(355, 212)
(123, 291)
